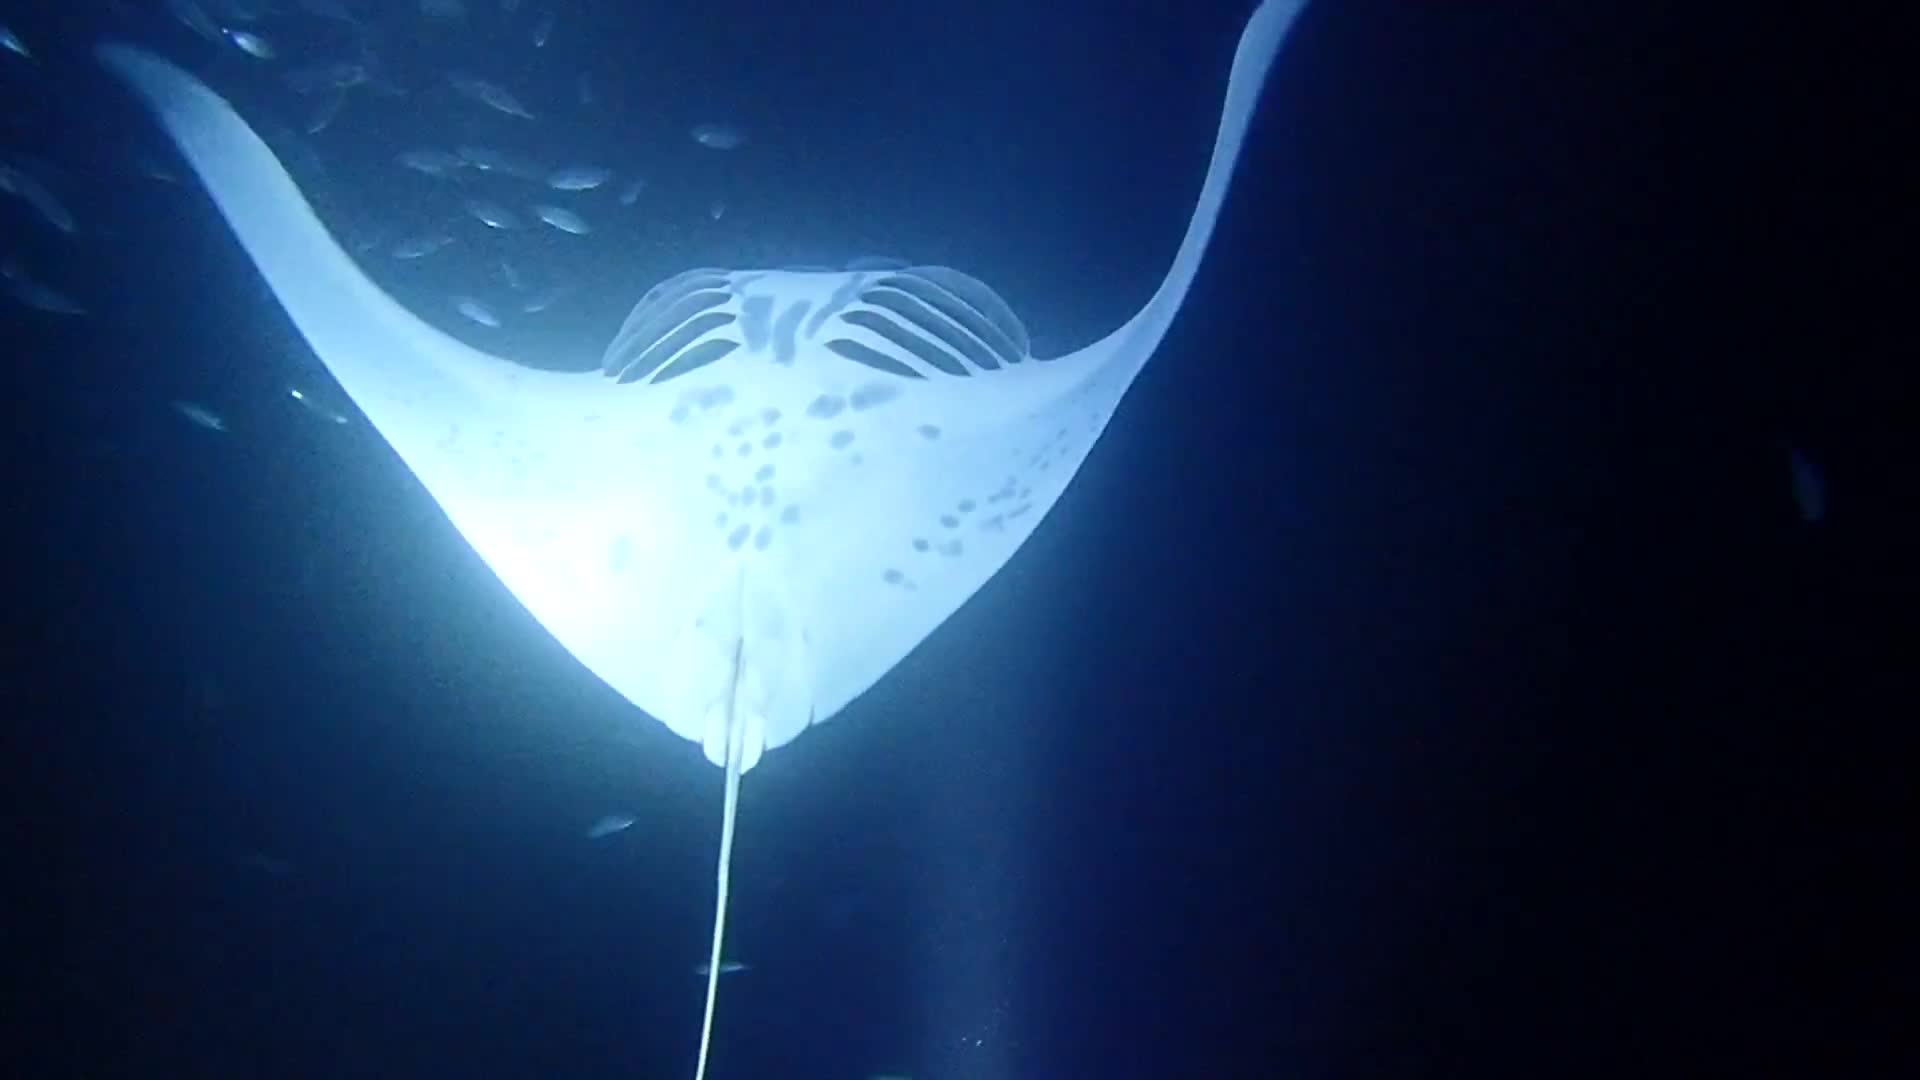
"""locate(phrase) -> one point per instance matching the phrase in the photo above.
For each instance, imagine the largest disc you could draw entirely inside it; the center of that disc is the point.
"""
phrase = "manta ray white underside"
(781, 481)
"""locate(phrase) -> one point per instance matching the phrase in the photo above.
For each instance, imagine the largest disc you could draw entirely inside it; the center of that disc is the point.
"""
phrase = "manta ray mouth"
(908, 323)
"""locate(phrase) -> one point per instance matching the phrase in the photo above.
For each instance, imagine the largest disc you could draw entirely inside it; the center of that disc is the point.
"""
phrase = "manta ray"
(778, 483)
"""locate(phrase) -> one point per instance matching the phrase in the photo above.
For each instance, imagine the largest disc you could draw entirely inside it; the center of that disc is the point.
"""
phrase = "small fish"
(543, 299)
(578, 178)
(492, 214)
(727, 967)
(35, 194)
(200, 415)
(563, 219)
(307, 402)
(432, 162)
(415, 247)
(631, 193)
(483, 158)
(251, 43)
(153, 170)
(609, 825)
(477, 311)
(11, 42)
(487, 159)
(716, 210)
(719, 136)
(194, 18)
(492, 96)
(27, 291)
(362, 238)
(543, 30)
(325, 111)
